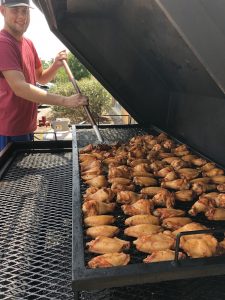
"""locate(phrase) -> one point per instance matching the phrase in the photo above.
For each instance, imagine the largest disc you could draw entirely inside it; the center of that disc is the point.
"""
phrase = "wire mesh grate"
(35, 227)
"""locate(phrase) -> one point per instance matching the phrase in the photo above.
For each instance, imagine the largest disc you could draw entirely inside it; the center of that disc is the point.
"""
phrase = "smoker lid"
(144, 51)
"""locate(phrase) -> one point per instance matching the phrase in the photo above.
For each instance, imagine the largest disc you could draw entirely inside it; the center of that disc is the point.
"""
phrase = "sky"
(46, 43)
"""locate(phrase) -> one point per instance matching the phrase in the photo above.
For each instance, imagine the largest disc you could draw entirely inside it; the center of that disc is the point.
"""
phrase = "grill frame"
(36, 230)
(84, 278)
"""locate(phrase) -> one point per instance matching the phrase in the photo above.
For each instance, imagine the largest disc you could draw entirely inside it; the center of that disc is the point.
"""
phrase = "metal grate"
(35, 227)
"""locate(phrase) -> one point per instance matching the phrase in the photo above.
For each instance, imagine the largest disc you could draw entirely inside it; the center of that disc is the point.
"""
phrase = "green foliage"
(100, 100)
(78, 70)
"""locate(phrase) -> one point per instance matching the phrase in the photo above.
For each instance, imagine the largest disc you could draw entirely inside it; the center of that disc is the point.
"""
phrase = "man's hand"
(59, 57)
(76, 101)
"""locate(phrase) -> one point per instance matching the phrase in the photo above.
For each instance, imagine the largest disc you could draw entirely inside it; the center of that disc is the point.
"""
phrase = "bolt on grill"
(35, 227)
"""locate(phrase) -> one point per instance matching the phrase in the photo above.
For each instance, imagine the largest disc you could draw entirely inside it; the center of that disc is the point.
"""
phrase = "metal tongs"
(72, 79)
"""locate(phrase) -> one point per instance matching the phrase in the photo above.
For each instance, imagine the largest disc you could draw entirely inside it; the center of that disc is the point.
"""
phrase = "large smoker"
(163, 61)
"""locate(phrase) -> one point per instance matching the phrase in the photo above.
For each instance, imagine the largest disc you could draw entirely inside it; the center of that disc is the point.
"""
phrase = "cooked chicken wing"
(202, 205)
(99, 220)
(168, 144)
(109, 260)
(128, 197)
(154, 242)
(90, 164)
(104, 244)
(142, 229)
(103, 194)
(213, 172)
(140, 207)
(163, 255)
(177, 184)
(221, 188)
(190, 227)
(145, 181)
(201, 180)
(93, 208)
(98, 181)
(199, 162)
(189, 157)
(116, 187)
(136, 162)
(219, 179)
(169, 159)
(89, 176)
(164, 171)
(212, 195)
(158, 165)
(188, 173)
(220, 200)
(151, 190)
(207, 167)
(142, 167)
(88, 148)
(179, 164)
(200, 247)
(164, 198)
(200, 187)
(102, 230)
(164, 213)
(142, 219)
(120, 180)
(171, 176)
(216, 214)
(175, 222)
(185, 195)
(119, 171)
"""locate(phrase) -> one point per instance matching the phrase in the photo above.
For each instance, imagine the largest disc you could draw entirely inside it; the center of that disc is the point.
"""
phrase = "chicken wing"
(98, 181)
(128, 197)
(199, 162)
(154, 242)
(201, 205)
(213, 172)
(93, 208)
(164, 213)
(185, 195)
(164, 171)
(219, 179)
(136, 162)
(200, 187)
(151, 190)
(103, 194)
(140, 207)
(109, 260)
(142, 219)
(190, 227)
(200, 247)
(164, 198)
(216, 214)
(207, 167)
(175, 222)
(179, 164)
(99, 220)
(201, 180)
(177, 184)
(145, 181)
(102, 230)
(171, 176)
(220, 200)
(120, 180)
(119, 171)
(104, 245)
(221, 188)
(116, 187)
(188, 173)
(142, 229)
(163, 255)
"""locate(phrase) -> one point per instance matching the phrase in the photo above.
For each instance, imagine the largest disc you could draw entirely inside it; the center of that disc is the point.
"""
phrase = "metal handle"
(72, 79)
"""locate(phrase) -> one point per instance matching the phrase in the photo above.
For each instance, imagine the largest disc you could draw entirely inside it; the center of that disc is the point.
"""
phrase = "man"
(20, 69)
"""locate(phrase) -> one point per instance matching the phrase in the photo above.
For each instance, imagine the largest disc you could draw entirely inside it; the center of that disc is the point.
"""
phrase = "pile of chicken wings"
(146, 177)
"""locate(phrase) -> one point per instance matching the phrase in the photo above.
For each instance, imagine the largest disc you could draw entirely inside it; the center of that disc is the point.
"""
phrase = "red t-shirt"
(17, 115)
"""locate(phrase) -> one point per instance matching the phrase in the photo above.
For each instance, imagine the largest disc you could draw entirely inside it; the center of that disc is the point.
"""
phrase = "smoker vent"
(35, 227)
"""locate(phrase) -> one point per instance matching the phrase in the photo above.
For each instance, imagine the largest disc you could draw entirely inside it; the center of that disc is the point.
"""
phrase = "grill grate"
(35, 227)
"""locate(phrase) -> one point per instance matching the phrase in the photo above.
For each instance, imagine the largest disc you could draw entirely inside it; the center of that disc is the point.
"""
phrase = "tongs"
(86, 108)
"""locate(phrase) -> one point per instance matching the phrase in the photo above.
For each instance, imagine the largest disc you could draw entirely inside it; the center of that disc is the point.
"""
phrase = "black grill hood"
(162, 60)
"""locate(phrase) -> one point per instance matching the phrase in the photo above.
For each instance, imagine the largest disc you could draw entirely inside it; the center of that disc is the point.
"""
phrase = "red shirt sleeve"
(9, 58)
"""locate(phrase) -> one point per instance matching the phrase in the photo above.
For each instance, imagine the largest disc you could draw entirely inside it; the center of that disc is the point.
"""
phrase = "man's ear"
(2, 10)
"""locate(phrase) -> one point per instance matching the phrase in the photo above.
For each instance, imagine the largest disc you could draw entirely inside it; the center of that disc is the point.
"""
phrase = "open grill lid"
(162, 60)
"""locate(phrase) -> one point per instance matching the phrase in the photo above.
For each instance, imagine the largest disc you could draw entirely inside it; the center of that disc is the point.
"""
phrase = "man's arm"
(21, 88)
(44, 76)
